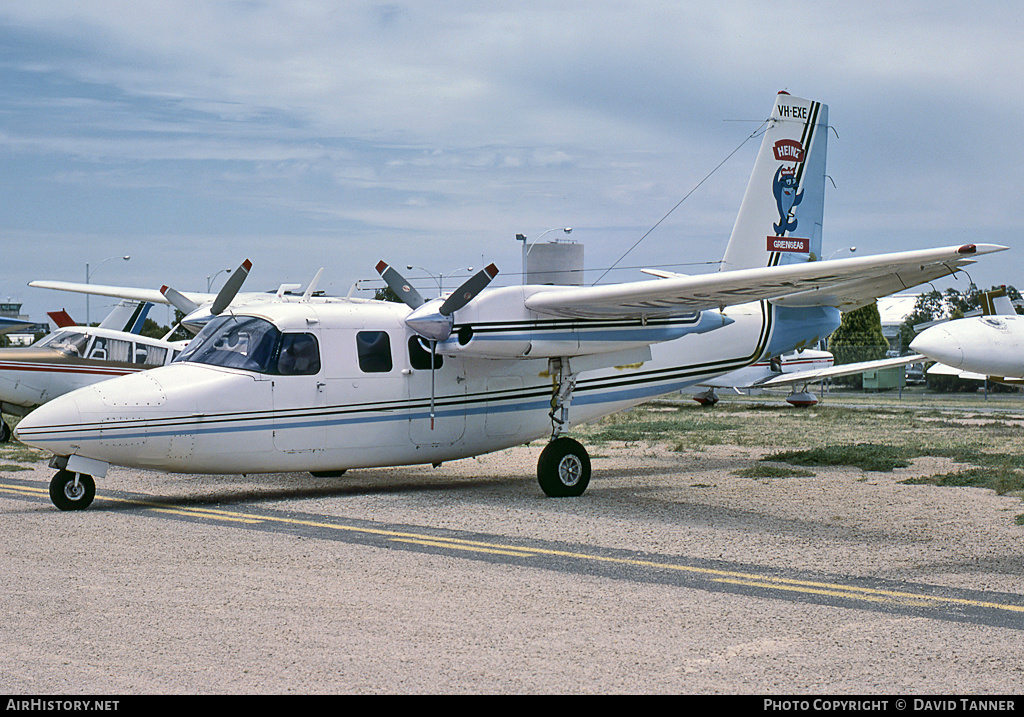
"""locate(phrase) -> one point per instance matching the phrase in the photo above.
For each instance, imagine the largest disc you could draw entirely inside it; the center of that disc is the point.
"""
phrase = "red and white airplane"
(75, 356)
(325, 384)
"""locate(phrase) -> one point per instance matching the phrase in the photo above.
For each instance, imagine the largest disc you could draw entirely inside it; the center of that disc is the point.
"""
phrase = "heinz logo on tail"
(789, 150)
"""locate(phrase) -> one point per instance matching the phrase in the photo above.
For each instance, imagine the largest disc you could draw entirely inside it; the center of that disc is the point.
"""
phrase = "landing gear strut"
(72, 491)
(563, 468)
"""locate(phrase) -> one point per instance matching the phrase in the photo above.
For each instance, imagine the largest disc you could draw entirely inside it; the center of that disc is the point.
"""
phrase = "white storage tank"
(559, 263)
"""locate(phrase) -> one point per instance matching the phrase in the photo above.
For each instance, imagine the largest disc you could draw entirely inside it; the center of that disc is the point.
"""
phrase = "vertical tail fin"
(780, 219)
(129, 315)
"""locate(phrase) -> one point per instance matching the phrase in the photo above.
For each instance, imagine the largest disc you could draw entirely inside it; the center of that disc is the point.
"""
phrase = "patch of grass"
(9, 468)
(20, 453)
(766, 471)
(1000, 478)
(866, 456)
(640, 425)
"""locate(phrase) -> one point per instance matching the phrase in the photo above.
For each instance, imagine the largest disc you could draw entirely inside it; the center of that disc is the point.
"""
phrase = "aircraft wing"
(7, 325)
(941, 369)
(845, 369)
(843, 283)
(121, 292)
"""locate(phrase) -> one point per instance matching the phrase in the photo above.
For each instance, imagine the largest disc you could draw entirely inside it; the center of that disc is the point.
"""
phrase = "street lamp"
(438, 278)
(89, 274)
(211, 279)
(850, 249)
(527, 247)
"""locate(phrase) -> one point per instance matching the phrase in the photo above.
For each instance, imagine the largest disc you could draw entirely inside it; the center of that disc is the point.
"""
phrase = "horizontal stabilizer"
(846, 369)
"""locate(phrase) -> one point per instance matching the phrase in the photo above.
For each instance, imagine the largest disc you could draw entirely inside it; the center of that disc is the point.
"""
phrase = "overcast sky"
(300, 135)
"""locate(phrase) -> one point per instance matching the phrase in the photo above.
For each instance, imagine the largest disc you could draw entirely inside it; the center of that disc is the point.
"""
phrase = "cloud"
(316, 131)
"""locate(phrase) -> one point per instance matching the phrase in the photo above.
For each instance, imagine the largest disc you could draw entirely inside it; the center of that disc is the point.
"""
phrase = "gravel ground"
(114, 601)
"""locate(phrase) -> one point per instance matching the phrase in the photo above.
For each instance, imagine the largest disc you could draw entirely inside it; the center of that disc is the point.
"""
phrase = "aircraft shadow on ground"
(350, 488)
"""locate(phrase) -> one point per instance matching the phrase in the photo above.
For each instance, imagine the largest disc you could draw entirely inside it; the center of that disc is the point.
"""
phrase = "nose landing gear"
(72, 491)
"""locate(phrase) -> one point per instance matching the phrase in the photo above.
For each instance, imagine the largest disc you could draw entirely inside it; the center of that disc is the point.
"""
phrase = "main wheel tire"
(563, 468)
(67, 495)
(5, 432)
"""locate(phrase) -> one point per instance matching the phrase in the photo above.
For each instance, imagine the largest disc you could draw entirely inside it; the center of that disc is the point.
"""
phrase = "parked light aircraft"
(75, 356)
(991, 345)
(8, 325)
(818, 366)
(325, 384)
(793, 363)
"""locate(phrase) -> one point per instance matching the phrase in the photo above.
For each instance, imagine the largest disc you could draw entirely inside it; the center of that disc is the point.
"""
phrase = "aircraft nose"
(52, 426)
(940, 345)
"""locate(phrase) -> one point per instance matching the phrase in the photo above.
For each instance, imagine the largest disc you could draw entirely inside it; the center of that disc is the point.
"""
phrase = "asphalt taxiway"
(669, 575)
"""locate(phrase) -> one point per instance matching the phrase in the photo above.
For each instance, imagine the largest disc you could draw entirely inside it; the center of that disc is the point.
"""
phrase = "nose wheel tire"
(67, 493)
(563, 469)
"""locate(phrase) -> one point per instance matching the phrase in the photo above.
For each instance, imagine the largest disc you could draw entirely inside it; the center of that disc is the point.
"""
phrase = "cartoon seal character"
(786, 198)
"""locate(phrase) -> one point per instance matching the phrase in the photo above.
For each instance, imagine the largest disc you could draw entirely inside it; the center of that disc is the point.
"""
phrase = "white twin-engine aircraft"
(325, 384)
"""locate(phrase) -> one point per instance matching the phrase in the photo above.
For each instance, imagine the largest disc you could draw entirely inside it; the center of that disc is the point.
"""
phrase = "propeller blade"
(465, 293)
(178, 301)
(397, 283)
(230, 288)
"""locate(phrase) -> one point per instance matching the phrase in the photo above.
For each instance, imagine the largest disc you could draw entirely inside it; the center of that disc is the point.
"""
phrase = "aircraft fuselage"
(369, 402)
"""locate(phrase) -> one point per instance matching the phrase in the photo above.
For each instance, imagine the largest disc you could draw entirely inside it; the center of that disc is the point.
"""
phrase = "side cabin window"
(419, 354)
(104, 349)
(374, 351)
(150, 355)
(299, 355)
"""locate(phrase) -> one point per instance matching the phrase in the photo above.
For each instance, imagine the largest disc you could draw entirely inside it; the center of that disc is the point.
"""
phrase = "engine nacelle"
(484, 329)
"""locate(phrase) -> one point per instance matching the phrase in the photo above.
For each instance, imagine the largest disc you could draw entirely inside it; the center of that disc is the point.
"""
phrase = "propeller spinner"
(433, 319)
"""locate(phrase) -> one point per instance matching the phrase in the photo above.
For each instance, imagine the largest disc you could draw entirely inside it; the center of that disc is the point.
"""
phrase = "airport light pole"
(88, 275)
(211, 279)
(850, 249)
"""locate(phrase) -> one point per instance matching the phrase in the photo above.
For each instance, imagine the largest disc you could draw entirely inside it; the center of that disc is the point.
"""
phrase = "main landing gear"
(5, 432)
(72, 491)
(563, 468)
